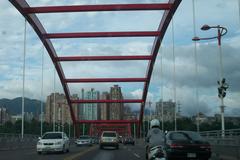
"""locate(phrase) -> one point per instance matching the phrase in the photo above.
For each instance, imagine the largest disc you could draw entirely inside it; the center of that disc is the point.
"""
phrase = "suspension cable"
(54, 99)
(174, 77)
(161, 74)
(42, 91)
(196, 65)
(239, 10)
(23, 74)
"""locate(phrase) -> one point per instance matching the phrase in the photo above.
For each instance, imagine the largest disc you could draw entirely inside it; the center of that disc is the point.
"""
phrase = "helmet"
(154, 123)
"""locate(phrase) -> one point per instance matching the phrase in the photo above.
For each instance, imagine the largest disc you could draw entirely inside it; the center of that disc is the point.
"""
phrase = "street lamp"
(221, 31)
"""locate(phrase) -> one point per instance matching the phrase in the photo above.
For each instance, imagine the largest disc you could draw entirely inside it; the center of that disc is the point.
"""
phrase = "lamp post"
(221, 31)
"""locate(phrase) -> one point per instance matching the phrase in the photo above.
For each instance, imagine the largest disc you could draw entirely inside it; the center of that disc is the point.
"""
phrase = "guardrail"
(218, 133)
(15, 141)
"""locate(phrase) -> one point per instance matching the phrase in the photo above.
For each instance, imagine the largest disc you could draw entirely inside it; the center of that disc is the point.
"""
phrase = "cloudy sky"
(214, 12)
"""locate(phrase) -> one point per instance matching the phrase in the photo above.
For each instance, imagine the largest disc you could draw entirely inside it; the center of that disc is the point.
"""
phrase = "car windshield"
(109, 134)
(52, 136)
(84, 137)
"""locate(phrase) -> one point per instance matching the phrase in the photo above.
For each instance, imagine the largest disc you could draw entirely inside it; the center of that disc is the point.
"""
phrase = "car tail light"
(174, 145)
(208, 147)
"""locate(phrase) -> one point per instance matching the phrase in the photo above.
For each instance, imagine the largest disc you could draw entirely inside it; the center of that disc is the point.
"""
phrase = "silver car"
(109, 138)
(84, 140)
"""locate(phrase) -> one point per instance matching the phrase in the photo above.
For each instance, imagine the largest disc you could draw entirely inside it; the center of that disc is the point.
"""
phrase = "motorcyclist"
(155, 136)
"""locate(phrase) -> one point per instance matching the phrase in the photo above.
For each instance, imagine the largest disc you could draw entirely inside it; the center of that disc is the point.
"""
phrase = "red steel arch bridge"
(169, 9)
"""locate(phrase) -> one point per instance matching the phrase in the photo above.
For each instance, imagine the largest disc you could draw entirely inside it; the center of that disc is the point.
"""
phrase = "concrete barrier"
(14, 141)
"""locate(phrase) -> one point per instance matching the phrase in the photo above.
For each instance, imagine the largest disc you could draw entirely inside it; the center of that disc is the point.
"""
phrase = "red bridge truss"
(30, 15)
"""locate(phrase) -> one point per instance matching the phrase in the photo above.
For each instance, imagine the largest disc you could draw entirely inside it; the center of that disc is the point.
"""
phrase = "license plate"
(191, 155)
(46, 149)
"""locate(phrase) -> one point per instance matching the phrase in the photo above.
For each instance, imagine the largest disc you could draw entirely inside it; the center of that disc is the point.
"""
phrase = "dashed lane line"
(72, 157)
(136, 155)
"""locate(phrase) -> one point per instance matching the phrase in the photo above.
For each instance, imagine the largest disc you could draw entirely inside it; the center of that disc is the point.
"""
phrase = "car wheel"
(146, 156)
(63, 150)
(68, 148)
(100, 146)
(117, 147)
(39, 152)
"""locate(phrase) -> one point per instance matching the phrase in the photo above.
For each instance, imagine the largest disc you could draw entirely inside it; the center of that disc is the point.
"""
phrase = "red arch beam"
(108, 121)
(167, 17)
(169, 8)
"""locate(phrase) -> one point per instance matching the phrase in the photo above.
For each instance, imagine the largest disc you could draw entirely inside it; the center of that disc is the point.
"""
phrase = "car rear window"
(186, 136)
(52, 136)
(109, 134)
(178, 136)
(194, 136)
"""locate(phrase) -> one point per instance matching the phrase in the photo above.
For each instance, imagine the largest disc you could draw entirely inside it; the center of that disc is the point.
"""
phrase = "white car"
(53, 142)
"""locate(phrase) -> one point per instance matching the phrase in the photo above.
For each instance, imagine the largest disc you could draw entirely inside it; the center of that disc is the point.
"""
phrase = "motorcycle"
(156, 153)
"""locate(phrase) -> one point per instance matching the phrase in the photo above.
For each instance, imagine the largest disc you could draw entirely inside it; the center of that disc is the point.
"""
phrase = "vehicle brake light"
(175, 145)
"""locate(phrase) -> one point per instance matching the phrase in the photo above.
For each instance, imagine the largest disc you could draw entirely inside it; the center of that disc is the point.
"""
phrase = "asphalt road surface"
(125, 152)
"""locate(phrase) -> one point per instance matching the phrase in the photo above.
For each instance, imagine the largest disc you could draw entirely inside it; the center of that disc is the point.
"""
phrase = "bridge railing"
(218, 133)
(227, 147)
(10, 141)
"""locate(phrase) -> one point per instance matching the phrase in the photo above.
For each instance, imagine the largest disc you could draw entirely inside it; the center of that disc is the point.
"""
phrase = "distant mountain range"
(14, 106)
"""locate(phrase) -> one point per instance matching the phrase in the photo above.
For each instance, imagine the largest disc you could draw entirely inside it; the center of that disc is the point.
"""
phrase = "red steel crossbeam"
(111, 125)
(98, 80)
(167, 16)
(101, 34)
(108, 101)
(94, 8)
(39, 29)
(119, 127)
(104, 58)
(108, 121)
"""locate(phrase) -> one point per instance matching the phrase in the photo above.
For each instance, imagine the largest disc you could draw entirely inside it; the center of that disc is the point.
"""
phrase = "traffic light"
(223, 86)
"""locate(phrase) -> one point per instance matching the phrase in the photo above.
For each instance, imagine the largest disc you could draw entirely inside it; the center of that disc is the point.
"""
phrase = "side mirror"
(39, 138)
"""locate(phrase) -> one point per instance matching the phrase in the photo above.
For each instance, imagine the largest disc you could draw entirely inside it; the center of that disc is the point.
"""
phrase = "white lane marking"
(31, 153)
(135, 154)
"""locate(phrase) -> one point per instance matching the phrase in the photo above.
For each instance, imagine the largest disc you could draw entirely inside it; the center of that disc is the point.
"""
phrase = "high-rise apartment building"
(91, 111)
(116, 109)
(104, 107)
(58, 110)
(128, 114)
(168, 110)
(4, 116)
(81, 113)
